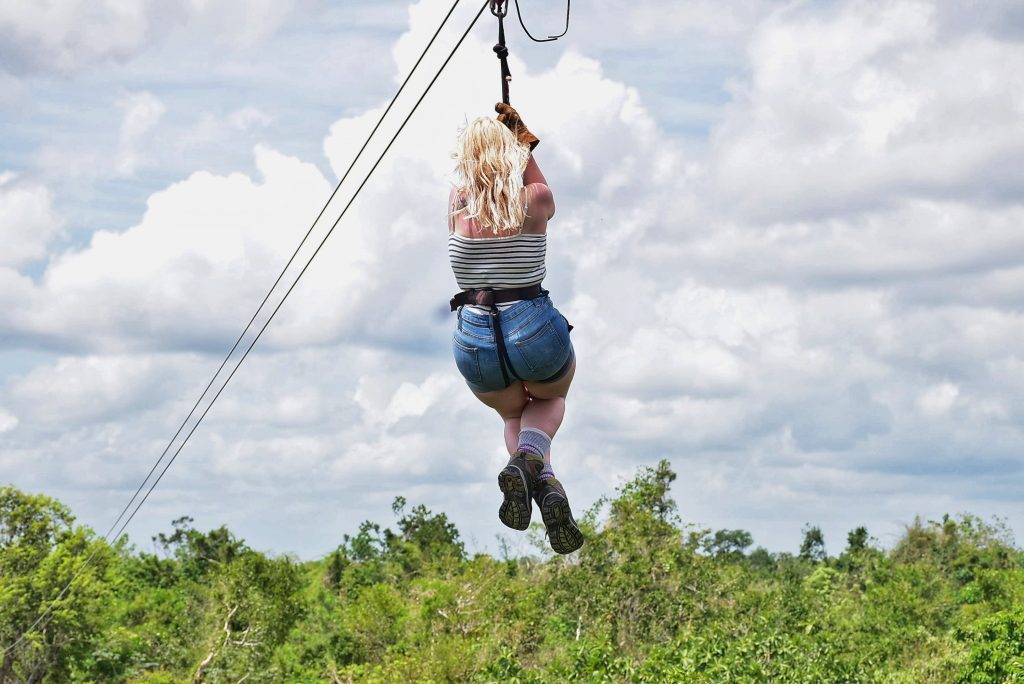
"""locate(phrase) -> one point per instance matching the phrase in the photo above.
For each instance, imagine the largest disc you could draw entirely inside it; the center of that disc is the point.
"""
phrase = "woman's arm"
(538, 191)
(532, 173)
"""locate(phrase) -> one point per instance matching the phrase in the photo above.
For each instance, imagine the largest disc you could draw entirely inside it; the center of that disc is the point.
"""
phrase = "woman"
(510, 344)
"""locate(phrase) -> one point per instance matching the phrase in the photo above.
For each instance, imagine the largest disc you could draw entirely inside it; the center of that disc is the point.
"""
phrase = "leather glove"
(510, 117)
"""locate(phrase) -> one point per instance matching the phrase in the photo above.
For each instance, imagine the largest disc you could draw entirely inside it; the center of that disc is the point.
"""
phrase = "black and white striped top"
(500, 263)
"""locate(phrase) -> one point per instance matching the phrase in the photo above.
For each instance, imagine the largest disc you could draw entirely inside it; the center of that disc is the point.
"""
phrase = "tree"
(199, 552)
(254, 602)
(727, 544)
(40, 552)
(648, 492)
(813, 546)
(434, 535)
(857, 540)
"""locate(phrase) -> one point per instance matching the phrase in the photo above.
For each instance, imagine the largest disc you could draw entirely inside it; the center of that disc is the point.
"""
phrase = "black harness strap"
(488, 296)
(499, 339)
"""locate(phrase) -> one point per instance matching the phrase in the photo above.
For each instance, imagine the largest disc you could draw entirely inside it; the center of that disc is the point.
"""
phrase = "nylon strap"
(500, 50)
(499, 338)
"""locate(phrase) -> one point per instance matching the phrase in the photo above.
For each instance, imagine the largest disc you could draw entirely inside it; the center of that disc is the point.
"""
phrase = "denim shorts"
(536, 339)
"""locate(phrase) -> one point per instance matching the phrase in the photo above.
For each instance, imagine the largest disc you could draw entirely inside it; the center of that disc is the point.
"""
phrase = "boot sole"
(516, 509)
(563, 534)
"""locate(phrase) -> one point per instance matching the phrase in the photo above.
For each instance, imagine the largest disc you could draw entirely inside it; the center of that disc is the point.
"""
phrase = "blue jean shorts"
(536, 338)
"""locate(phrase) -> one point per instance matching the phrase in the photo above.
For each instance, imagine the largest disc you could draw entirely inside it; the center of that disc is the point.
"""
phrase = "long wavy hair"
(489, 168)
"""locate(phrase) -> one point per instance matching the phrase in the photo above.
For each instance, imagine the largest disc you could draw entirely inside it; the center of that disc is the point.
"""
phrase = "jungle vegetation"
(649, 598)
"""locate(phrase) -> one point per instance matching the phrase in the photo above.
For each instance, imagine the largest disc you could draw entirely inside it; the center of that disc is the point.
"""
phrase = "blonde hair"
(489, 168)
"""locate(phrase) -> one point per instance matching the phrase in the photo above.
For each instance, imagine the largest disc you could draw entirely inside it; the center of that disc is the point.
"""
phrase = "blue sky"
(787, 234)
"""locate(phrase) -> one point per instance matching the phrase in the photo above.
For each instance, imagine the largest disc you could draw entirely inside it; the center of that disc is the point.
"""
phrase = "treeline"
(647, 599)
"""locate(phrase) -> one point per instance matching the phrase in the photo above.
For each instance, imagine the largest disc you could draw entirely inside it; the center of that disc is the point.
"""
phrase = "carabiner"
(499, 8)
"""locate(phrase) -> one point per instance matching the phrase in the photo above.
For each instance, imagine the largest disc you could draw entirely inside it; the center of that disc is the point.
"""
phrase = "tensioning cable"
(252, 344)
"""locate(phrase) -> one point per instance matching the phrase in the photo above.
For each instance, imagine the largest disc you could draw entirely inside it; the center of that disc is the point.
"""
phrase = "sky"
(788, 237)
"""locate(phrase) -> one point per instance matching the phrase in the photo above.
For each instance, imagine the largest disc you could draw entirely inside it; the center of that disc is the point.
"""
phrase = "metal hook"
(499, 8)
(541, 40)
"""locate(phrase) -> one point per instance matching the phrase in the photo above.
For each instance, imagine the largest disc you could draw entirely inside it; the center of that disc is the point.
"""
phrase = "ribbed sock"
(534, 441)
(546, 473)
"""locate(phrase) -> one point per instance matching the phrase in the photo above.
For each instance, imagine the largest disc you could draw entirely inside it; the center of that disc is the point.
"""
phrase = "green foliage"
(649, 598)
(857, 540)
(41, 552)
(812, 548)
(197, 552)
(996, 649)
(727, 544)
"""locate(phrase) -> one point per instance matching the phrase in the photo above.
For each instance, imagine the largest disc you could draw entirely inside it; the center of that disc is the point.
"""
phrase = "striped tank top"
(499, 263)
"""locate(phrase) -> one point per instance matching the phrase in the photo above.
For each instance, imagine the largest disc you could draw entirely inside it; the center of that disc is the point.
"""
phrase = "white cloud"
(83, 390)
(639, 24)
(142, 113)
(68, 36)
(819, 310)
(65, 36)
(28, 221)
(212, 130)
(8, 421)
(244, 25)
(938, 399)
(866, 104)
(248, 118)
(204, 253)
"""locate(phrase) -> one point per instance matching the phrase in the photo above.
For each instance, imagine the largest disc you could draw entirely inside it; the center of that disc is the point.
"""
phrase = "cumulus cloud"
(205, 251)
(865, 105)
(8, 421)
(142, 112)
(90, 389)
(28, 221)
(71, 35)
(65, 36)
(938, 399)
(815, 316)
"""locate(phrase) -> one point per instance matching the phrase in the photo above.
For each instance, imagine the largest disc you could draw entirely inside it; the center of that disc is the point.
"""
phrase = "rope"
(499, 8)
(252, 344)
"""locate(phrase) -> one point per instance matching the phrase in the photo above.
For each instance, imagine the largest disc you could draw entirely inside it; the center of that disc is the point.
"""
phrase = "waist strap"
(491, 297)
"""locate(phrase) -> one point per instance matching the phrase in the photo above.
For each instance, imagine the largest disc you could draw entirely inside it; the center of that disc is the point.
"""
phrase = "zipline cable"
(272, 315)
(308, 263)
(284, 270)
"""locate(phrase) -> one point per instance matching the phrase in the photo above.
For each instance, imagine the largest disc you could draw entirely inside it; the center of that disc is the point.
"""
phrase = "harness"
(490, 297)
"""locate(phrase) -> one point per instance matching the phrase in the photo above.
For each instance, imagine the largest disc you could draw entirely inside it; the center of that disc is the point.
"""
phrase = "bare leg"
(512, 428)
(537, 405)
(509, 403)
(540, 406)
(546, 408)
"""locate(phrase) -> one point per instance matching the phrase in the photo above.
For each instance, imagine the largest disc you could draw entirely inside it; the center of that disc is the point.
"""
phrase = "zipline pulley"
(499, 8)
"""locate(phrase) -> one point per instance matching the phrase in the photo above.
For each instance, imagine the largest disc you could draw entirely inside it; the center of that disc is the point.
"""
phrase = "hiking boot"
(517, 482)
(563, 534)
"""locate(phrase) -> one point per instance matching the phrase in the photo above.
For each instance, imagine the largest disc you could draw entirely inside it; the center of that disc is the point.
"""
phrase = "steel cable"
(334, 225)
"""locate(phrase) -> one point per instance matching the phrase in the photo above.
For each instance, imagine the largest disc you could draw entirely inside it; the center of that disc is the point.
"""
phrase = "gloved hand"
(510, 117)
